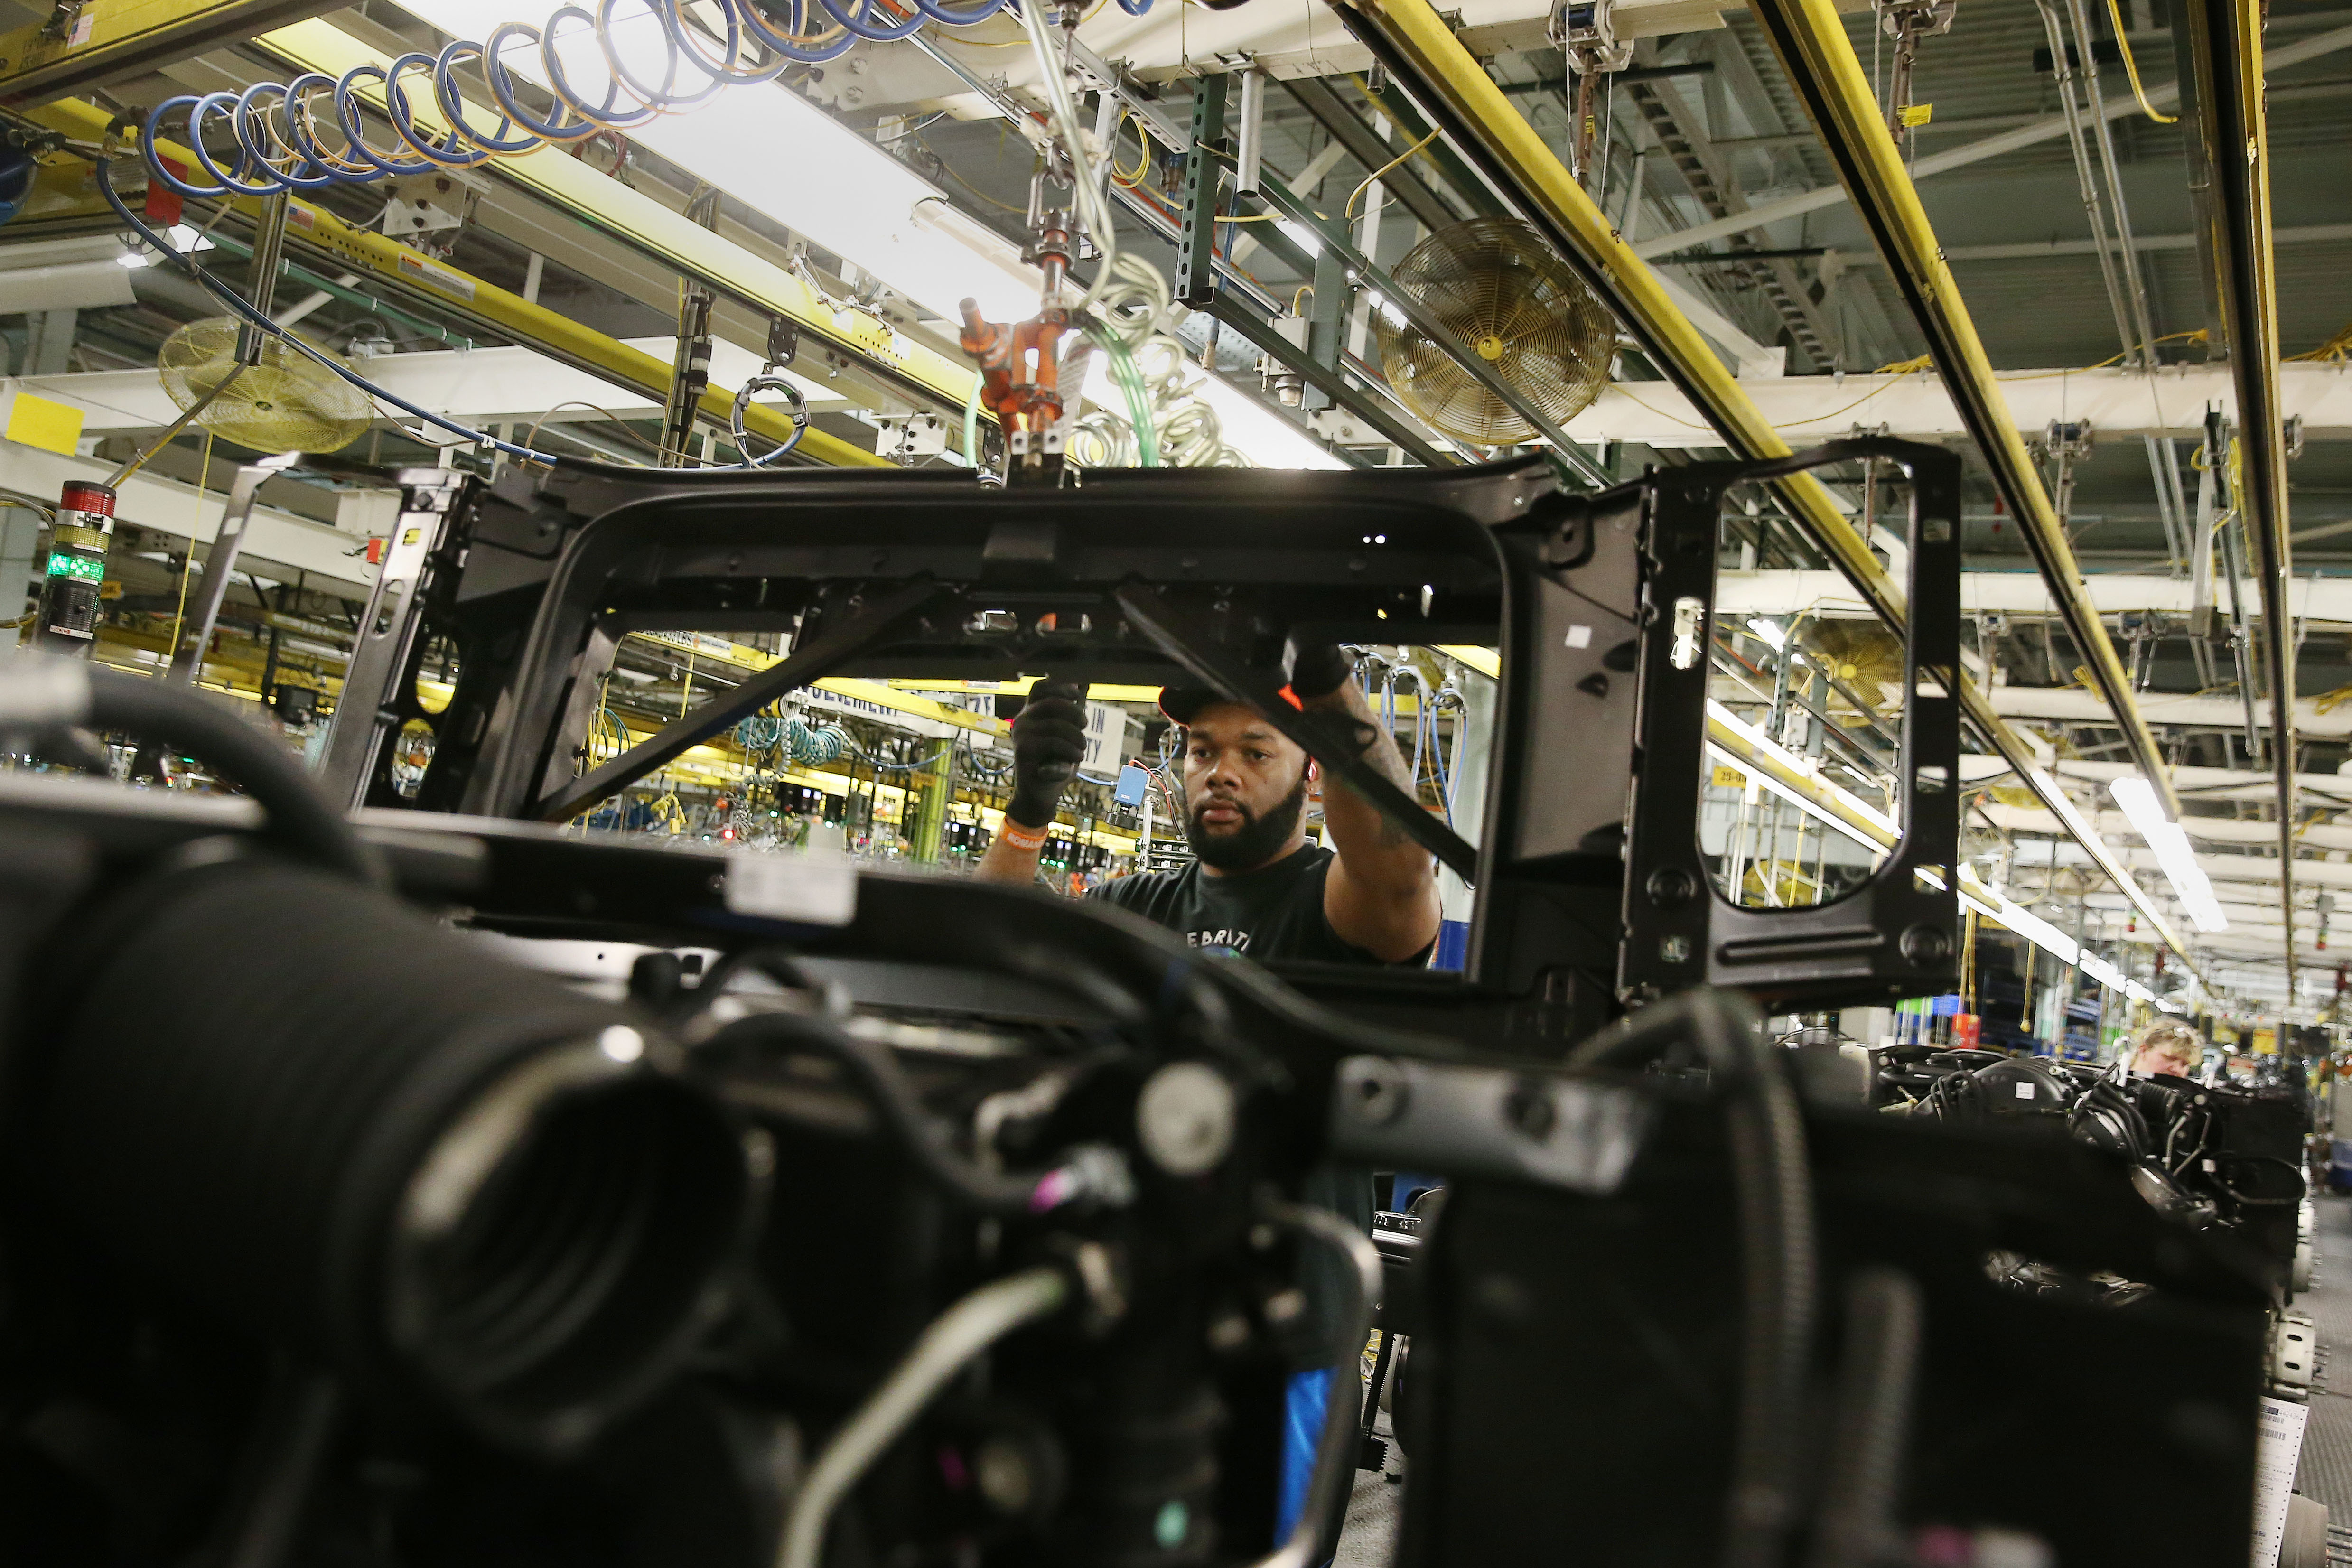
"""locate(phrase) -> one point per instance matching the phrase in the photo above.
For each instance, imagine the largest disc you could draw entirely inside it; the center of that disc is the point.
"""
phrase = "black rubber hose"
(41, 694)
(350, 1132)
(1778, 1263)
(1870, 1437)
(875, 1074)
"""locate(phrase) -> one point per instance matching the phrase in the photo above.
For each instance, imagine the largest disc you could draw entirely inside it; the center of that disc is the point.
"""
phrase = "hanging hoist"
(1906, 22)
(1586, 35)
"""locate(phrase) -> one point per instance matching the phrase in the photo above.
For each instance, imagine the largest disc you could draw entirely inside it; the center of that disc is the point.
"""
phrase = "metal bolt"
(1528, 1107)
(1671, 887)
(1375, 1092)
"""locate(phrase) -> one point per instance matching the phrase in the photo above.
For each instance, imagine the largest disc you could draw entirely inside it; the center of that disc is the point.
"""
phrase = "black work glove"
(1316, 669)
(1049, 740)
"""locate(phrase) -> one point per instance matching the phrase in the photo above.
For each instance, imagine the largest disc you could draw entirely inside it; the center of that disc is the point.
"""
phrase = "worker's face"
(2166, 1058)
(1244, 788)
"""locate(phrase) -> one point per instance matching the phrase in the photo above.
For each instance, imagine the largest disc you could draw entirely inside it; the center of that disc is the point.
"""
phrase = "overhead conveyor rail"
(2225, 38)
(1826, 76)
(1428, 63)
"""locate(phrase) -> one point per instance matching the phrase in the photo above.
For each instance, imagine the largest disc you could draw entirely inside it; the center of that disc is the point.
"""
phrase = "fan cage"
(284, 402)
(1501, 294)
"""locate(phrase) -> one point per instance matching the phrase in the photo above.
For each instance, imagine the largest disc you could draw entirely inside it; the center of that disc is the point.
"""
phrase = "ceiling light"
(2138, 797)
(1306, 239)
(1266, 439)
(1769, 633)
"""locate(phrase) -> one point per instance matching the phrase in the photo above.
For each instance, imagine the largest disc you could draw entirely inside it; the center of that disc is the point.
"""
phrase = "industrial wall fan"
(1863, 656)
(1503, 294)
(284, 403)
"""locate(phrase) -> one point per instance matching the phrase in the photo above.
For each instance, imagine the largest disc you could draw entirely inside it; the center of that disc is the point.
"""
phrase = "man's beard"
(1254, 843)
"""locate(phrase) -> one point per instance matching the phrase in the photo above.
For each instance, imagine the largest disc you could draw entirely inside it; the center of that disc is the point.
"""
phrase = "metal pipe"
(1428, 64)
(2242, 635)
(2226, 40)
(1253, 133)
(2144, 348)
(2168, 505)
(262, 286)
(2063, 68)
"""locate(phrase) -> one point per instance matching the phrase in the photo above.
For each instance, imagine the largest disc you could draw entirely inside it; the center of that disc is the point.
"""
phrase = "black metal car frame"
(1150, 576)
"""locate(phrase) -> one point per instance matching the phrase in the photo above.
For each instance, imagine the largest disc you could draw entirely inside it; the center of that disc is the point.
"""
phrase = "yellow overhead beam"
(1826, 75)
(672, 238)
(488, 305)
(106, 41)
(1422, 50)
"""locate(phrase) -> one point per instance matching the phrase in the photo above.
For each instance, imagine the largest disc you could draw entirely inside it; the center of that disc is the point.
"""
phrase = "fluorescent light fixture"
(775, 151)
(1768, 633)
(2039, 931)
(1266, 439)
(2138, 797)
(1764, 749)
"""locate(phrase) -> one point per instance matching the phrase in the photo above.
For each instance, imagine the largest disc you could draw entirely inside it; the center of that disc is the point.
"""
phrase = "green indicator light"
(65, 564)
(1173, 1523)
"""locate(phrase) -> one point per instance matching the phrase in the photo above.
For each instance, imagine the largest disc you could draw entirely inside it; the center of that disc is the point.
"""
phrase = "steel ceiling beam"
(2225, 39)
(2048, 129)
(1426, 61)
(1825, 75)
(1364, 145)
(96, 42)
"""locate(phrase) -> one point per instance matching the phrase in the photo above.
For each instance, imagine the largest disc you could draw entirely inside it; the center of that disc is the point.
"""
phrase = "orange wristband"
(1022, 837)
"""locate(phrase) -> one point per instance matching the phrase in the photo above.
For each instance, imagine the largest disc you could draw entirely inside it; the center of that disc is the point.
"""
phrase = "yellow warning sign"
(39, 422)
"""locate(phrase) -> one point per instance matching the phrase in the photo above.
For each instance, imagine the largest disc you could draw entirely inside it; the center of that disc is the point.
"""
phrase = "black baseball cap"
(1182, 704)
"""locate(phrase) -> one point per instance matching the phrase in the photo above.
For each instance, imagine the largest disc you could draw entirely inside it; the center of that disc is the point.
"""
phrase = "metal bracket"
(1398, 1113)
(369, 709)
(783, 343)
(1196, 246)
(1898, 934)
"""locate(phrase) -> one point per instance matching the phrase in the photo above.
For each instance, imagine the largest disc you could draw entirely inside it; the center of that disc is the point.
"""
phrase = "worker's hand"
(1049, 740)
(1316, 668)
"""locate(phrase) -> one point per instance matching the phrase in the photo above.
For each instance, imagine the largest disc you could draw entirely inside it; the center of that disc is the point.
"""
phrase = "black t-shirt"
(1275, 912)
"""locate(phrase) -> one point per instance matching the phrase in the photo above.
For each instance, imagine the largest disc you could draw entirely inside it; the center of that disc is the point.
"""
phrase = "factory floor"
(2324, 1475)
(1369, 1538)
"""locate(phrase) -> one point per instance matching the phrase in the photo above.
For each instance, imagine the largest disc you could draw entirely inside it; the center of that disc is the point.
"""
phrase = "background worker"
(1255, 885)
(2167, 1046)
